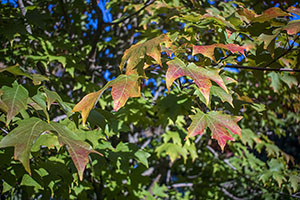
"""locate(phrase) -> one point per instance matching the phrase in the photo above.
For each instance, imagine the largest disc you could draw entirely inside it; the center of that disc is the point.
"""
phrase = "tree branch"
(93, 53)
(263, 68)
(23, 11)
(148, 3)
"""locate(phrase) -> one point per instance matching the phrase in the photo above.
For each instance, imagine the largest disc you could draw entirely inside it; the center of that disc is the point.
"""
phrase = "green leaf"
(142, 156)
(275, 81)
(15, 99)
(294, 180)
(29, 181)
(78, 150)
(23, 137)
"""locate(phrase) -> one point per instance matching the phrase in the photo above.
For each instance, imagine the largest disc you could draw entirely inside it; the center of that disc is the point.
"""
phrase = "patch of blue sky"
(129, 26)
(211, 2)
(107, 76)
(107, 39)
(136, 34)
(11, 2)
(106, 52)
(150, 80)
(229, 69)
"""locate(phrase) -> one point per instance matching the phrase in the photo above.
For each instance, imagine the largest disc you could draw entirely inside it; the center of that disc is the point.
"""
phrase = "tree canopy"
(156, 99)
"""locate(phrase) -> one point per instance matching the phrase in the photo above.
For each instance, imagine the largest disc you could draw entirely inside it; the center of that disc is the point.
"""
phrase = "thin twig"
(148, 3)
(93, 52)
(262, 68)
(23, 11)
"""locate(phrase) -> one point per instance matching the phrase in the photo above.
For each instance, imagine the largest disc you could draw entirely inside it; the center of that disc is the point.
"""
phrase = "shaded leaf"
(77, 149)
(23, 137)
(217, 122)
(200, 75)
(15, 99)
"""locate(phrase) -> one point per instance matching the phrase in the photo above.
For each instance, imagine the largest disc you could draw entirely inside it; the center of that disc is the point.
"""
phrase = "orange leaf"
(87, 104)
(200, 75)
(217, 123)
(123, 87)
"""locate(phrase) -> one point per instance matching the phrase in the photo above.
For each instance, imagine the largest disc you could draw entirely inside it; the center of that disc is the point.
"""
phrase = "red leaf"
(200, 75)
(123, 87)
(217, 123)
(208, 50)
(270, 14)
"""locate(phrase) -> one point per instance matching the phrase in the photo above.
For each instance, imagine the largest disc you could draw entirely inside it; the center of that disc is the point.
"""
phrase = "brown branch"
(148, 3)
(262, 68)
(23, 11)
(283, 54)
(93, 52)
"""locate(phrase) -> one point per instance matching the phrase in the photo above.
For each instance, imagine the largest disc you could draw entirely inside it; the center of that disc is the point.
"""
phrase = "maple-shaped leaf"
(270, 14)
(23, 137)
(200, 75)
(208, 50)
(15, 99)
(86, 104)
(136, 54)
(123, 87)
(218, 123)
(78, 150)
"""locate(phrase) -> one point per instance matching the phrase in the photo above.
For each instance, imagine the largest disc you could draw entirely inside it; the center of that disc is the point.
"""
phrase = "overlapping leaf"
(136, 54)
(217, 123)
(208, 50)
(200, 75)
(14, 99)
(77, 149)
(24, 136)
(270, 14)
(123, 87)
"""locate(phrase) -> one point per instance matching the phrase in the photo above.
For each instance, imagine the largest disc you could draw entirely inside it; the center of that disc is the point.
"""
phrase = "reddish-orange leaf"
(78, 150)
(136, 54)
(200, 75)
(208, 50)
(293, 27)
(218, 123)
(294, 10)
(123, 87)
(270, 14)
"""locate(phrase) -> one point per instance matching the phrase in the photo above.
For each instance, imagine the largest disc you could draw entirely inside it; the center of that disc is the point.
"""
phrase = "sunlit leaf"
(15, 99)
(208, 50)
(218, 123)
(270, 14)
(136, 53)
(200, 75)
(77, 149)
(23, 137)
